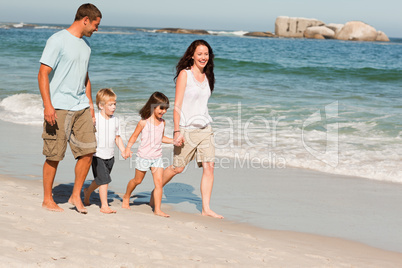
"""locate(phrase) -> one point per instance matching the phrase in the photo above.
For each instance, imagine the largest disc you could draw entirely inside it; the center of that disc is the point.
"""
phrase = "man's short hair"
(88, 10)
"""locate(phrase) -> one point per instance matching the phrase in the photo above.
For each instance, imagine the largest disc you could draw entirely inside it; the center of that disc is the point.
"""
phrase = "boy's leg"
(157, 174)
(49, 173)
(88, 191)
(139, 176)
(81, 171)
(103, 197)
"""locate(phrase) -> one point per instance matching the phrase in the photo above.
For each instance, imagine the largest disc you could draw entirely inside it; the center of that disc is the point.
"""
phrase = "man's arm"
(44, 88)
(88, 92)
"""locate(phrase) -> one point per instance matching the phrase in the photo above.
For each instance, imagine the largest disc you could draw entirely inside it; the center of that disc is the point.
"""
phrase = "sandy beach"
(34, 237)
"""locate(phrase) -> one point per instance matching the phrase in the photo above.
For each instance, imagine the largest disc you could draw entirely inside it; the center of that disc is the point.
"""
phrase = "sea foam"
(22, 108)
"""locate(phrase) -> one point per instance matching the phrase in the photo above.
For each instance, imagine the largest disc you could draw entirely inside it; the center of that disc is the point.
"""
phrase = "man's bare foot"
(161, 213)
(126, 202)
(52, 206)
(107, 210)
(212, 214)
(79, 206)
(86, 197)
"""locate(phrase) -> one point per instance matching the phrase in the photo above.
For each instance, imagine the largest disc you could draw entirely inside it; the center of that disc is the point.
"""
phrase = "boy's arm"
(120, 145)
(133, 138)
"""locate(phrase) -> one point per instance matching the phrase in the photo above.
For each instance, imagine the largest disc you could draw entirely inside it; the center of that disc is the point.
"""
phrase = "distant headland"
(295, 27)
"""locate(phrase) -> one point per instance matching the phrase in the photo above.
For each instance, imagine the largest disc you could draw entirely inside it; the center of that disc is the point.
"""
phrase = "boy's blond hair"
(104, 95)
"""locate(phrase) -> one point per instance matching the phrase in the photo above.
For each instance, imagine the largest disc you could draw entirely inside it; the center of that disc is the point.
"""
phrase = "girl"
(193, 136)
(149, 154)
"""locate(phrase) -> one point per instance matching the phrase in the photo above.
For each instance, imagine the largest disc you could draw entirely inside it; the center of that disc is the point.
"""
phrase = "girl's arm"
(120, 145)
(181, 83)
(133, 138)
(164, 138)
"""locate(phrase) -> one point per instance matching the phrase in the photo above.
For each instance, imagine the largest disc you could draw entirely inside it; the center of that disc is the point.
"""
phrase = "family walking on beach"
(69, 117)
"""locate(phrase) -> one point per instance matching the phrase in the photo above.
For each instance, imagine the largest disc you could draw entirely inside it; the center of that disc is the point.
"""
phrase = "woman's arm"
(181, 83)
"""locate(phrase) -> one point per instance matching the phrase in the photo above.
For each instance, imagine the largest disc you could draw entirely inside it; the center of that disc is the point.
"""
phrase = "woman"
(192, 135)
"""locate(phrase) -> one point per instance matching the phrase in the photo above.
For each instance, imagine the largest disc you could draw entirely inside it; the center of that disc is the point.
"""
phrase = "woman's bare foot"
(161, 213)
(126, 202)
(86, 197)
(52, 206)
(212, 214)
(107, 210)
(79, 206)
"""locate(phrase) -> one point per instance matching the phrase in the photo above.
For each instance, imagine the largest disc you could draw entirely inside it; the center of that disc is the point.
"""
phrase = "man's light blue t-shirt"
(68, 56)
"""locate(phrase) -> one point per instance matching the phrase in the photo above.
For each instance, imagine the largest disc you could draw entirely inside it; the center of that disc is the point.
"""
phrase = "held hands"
(178, 139)
(127, 153)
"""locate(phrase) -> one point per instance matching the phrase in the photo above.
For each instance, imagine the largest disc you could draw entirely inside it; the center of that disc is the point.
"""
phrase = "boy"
(107, 134)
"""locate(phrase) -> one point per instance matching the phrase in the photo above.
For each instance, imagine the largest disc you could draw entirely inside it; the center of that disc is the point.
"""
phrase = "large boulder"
(357, 31)
(336, 27)
(293, 26)
(382, 37)
(319, 32)
(182, 31)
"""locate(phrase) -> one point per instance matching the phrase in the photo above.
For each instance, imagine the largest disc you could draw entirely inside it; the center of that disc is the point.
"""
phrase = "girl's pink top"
(151, 141)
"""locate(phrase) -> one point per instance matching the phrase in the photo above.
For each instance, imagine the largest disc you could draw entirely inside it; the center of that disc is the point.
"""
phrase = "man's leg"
(49, 173)
(81, 171)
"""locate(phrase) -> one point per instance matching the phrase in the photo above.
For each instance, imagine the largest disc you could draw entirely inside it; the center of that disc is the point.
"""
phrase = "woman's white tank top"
(194, 110)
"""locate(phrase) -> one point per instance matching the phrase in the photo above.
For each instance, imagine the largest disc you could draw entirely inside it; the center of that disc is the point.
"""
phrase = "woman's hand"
(178, 139)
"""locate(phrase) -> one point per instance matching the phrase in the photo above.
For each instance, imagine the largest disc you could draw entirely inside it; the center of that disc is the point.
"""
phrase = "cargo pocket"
(49, 137)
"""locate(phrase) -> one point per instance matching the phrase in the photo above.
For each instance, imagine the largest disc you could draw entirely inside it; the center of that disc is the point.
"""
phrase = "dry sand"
(34, 237)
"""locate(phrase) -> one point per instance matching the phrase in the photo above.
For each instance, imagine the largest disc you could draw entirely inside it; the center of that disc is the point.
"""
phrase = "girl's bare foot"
(161, 213)
(212, 214)
(126, 202)
(86, 197)
(79, 206)
(52, 206)
(107, 210)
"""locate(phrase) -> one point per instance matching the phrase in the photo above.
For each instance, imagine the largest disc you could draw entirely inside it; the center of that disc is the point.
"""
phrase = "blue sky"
(250, 15)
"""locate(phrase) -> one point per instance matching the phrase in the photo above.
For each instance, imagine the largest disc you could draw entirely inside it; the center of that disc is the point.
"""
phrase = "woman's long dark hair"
(187, 61)
(156, 99)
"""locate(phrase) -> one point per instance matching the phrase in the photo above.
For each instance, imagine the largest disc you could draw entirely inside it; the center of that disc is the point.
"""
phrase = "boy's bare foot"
(79, 206)
(86, 197)
(126, 202)
(212, 214)
(52, 206)
(107, 210)
(161, 213)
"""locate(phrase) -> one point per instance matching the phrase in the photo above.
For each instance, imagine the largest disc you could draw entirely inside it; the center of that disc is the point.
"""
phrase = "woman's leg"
(207, 182)
(139, 176)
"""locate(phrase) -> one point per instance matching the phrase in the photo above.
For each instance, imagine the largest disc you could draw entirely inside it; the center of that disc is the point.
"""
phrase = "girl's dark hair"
(156, 99)
(187, 61)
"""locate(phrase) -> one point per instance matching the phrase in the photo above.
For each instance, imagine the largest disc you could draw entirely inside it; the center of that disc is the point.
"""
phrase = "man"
(68, 108)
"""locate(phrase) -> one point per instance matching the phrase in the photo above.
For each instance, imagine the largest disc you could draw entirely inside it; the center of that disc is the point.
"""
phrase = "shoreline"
(288, 199)
(138, 238)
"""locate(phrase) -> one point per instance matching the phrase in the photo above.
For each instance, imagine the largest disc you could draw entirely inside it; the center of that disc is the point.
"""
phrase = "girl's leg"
(88, 191)
(168, 174)
(103, 197)
(207, 182)
(139, 176)
(157, 193)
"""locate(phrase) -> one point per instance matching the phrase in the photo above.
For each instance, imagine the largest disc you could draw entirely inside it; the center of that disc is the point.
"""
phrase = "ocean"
(315, 108)
(325, 105)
